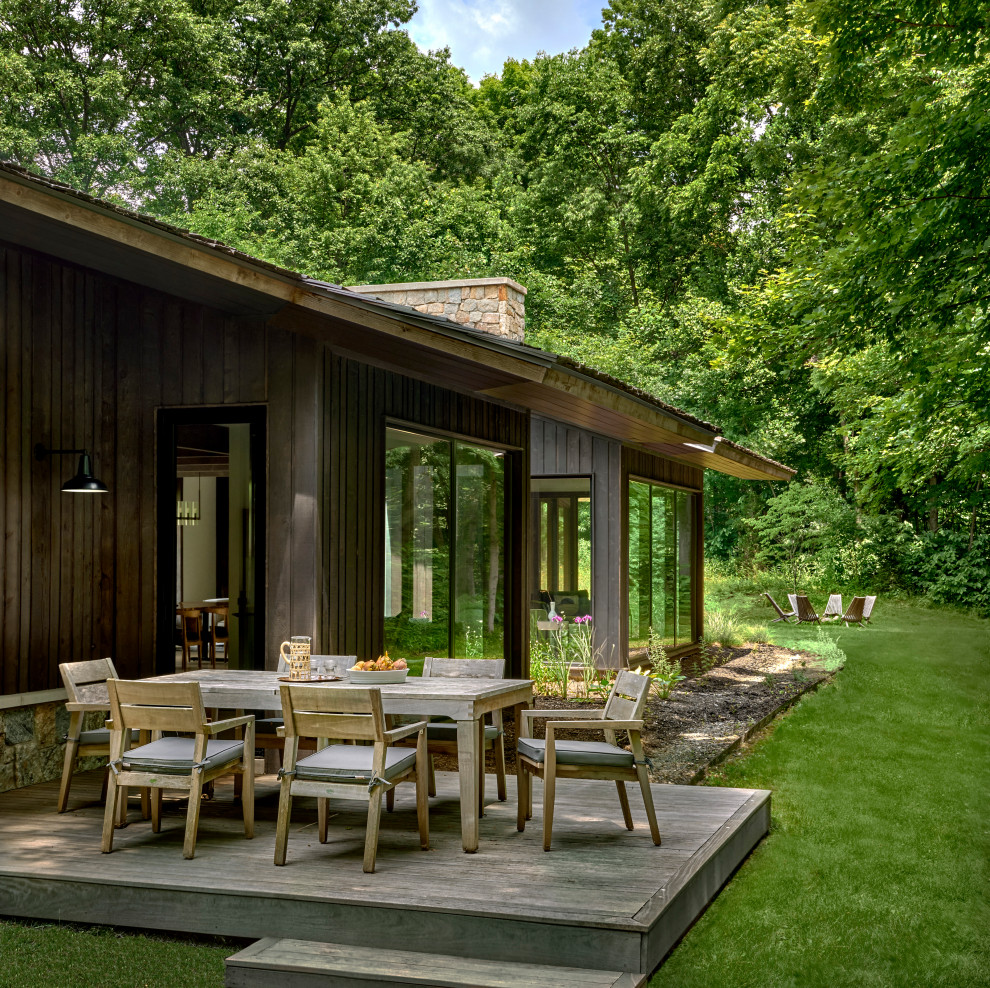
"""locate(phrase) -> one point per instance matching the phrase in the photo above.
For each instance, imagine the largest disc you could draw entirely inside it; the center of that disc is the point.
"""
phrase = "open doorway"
(211, 538)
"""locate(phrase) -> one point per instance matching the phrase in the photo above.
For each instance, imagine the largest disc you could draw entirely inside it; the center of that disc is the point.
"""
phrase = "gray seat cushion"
(577, 752)
(446, 730)
(102, 736)
(174, 756)
(352, 763)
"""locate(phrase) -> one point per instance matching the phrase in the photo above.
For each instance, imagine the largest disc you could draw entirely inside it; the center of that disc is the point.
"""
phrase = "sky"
(482, 34)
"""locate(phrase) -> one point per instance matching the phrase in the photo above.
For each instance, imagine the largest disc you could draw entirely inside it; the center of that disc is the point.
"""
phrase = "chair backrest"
(464, 668)
(352, 713)
(774, 603)
(855, 611)
(805, 611)
(140, 705)
(192, 624)
(868, 606)
(85, 682)
(834, 605)
(792, 599)
(628, 696)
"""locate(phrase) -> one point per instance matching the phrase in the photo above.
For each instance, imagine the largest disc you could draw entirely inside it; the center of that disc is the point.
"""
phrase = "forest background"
(774, 215)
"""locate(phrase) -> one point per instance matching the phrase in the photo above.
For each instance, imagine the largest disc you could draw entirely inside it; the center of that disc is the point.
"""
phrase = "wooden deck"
(603, 897)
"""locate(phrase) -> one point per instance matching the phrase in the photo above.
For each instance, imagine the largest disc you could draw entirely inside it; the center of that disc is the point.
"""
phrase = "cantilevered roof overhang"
(57, 220)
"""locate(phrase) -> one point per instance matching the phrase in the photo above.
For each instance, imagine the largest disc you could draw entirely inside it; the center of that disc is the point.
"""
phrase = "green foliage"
(774, 216)
(665, 673)
(804, 524)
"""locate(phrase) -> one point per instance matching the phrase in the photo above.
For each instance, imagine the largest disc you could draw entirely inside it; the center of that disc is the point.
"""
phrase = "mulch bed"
(706, 717)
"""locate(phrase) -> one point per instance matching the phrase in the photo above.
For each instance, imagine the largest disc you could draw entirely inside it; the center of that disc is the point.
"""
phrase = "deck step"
(309, 964)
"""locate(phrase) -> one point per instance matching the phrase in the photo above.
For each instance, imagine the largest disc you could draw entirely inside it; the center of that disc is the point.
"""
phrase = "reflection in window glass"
(562, 517)
(660, 564)
(444, 551)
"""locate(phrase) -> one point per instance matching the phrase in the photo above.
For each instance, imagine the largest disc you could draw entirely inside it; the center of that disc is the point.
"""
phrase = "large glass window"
(562, 564)
(444, 547)
(661, 524)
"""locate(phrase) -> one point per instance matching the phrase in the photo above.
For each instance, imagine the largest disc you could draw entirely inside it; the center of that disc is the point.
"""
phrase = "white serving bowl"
(377, 677)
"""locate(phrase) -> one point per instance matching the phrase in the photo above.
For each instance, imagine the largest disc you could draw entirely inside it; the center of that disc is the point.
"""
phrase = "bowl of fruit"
(378, 671)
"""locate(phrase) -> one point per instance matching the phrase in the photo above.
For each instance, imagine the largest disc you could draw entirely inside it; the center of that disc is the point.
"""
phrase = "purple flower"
(557, 618)
(586, 619)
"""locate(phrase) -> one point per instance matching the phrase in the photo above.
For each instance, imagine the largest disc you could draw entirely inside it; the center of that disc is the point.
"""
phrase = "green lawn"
(51, 955)
(875, 869)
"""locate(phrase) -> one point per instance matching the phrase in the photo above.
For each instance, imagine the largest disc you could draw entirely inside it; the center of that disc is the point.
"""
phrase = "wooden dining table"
(465, 701)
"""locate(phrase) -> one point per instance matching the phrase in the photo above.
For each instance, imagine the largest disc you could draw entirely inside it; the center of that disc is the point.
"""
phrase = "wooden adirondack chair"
(833, 610)
(805, 611)
(854, 614)
(868, 608)
(784, 616)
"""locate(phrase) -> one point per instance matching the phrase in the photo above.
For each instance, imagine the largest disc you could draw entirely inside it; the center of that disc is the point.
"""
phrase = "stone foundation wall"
(494, 305)
(32, 744)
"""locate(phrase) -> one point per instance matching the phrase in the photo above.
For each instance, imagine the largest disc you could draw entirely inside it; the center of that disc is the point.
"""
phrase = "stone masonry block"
(44, 724)
(487, 305)
(62, 722)
(19, 725)
(38, 764)
(490, 318)
(434, 308)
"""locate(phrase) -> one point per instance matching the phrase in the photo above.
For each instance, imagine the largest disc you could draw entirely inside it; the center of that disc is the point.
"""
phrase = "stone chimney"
(494, 305)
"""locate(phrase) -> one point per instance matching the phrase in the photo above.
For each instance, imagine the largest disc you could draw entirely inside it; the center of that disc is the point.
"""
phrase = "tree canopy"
(775, 215)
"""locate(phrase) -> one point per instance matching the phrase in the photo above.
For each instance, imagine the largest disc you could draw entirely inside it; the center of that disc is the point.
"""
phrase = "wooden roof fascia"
(139, 234)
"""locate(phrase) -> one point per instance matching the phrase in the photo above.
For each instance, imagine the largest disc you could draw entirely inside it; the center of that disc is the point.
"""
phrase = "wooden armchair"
(441, 734)
(184, 763)
(805, 611)
(355, 771)
(833, 609)
(868, 608)
(855, 612)
(556, 758)
(86, 685)
(784, 616)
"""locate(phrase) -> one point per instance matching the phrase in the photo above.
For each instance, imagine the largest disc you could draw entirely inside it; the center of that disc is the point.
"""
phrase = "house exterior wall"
(89, 360)
(557, 449)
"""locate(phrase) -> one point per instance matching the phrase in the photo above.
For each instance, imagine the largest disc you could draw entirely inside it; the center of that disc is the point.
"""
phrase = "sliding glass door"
(444, 547)
(661, 561)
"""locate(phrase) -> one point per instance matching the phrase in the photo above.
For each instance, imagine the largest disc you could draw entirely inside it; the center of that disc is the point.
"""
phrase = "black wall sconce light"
(83, 482)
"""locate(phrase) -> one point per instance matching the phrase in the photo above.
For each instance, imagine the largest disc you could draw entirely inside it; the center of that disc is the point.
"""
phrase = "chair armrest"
(74, 706)
(397, 733)
(226, 725)
(600, 725)
(528, 715)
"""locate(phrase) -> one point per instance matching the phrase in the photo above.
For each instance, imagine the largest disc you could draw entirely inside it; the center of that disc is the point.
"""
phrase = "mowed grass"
(875, 869)
(55, 955)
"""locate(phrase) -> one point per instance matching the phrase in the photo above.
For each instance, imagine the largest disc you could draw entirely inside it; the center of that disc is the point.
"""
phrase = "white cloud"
(482, 34)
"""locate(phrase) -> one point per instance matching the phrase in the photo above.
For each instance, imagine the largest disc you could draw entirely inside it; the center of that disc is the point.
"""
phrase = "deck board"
(601, 888)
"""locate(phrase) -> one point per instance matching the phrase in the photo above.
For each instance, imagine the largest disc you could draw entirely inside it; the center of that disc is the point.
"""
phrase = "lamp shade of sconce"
(83, 482)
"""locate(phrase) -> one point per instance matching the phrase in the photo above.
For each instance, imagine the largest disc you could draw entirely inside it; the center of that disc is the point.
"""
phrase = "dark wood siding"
(359, 401)
(87, 360)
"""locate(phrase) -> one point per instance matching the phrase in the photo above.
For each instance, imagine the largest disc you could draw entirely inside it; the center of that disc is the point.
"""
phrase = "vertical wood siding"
(86, 360)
